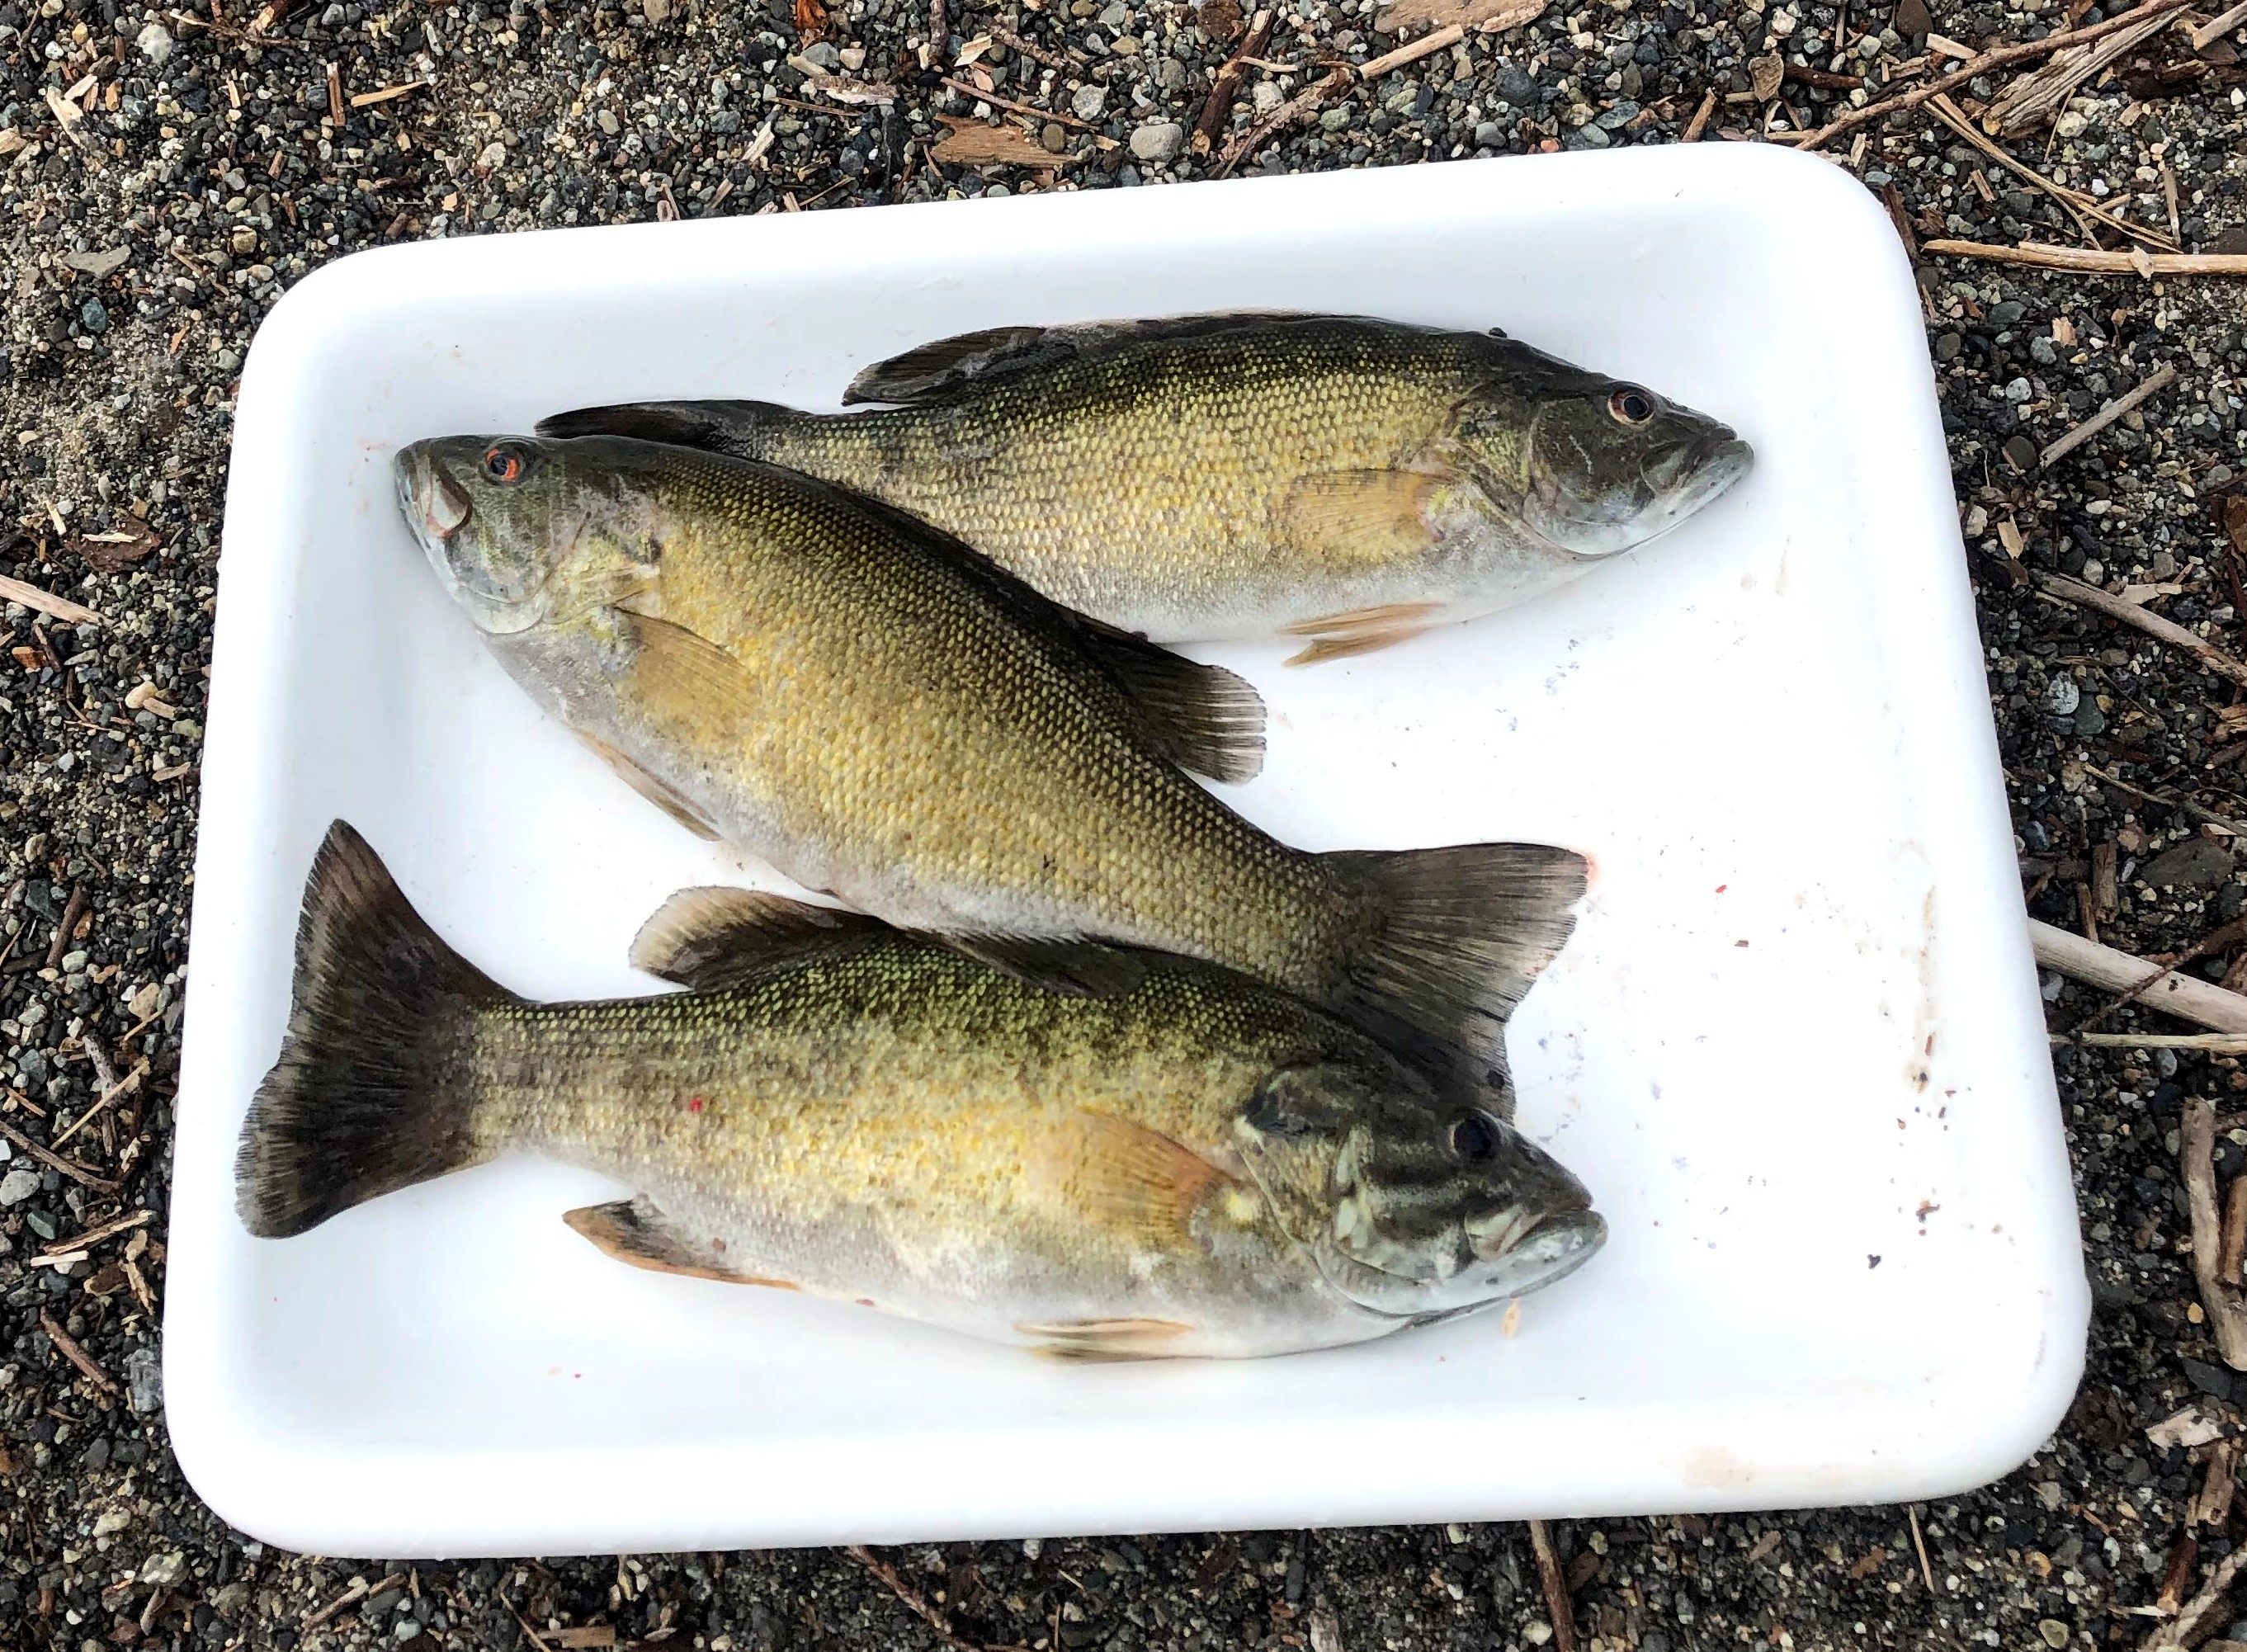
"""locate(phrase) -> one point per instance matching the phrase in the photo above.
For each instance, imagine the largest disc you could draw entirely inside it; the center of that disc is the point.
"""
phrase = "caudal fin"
(363, 1100)
(735, 427)
(1457, 937)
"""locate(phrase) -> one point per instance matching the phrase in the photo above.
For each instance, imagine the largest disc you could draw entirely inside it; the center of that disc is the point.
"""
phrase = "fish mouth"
(1540, 1248)
(435, 505)
(1692, 474)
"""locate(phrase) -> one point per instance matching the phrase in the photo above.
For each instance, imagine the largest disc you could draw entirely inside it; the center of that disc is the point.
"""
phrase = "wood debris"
(2185, 996)
(2227, 1313)
(2035, 99)
(1297, 110)
(939, 1624)
(2178, 1633)
(1559, 1604)
(44, 601)
(2219, 660)
(117, 547)
(2153, 383)
(83, 1175)
(2036, 254)
(2215, 28)
(67, 1346)
(2211, 1505)
(1217, 109)
(384, 94)
(1488, 17)
(971, 143)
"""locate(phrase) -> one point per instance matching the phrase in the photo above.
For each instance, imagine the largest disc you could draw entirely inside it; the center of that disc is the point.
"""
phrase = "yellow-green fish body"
(889, 719)
(1190, 1164)
(1333, 478)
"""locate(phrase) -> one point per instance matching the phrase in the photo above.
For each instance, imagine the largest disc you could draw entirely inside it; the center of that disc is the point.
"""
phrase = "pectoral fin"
(688, 674)
(1116, 1339)
(1350, 521)
(1126, 1178)
(1361, 630)
(659, 792)
(633, 1230)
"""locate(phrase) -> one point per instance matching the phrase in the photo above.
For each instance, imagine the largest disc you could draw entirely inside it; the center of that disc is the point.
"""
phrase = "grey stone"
(155, 44)
(18, 1185)
(97, 264)
(2062, 696)
(1489, 136)
(1158, 140)
(1089, 102)
(161, 1571)
(144, 1380)
(2195, 863)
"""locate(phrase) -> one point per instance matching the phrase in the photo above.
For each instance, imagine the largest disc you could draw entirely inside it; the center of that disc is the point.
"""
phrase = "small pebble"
(1158, 140)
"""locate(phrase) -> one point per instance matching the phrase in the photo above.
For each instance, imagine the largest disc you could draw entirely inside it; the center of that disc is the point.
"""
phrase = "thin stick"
(62, 608)
(1218, 110)
(2024, 52)
(73, 909)
(911, 1600)
(2037, 254)
(1019, 108)
(2182, 996)
(110, 1229)
(2082, 206)
(2196, 1149)
(2217, 28)
(124, 1086)
(1029, 48)
(1558, 1605)
(1426, 45)
(67, 1346)
(1699, 123)
(384, 94)
(69, 1167)
(1297, 109)
(2236, 828)
(359, 1590)
(537, 1641)
(2207, 1043)
(2219, 660)
(1926, 1572)
(2152, 385)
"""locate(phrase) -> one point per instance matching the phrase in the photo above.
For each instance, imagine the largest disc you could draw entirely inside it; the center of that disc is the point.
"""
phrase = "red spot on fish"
(695, 1103)
(865, 1302)
(1721, 888)
(717, 1245)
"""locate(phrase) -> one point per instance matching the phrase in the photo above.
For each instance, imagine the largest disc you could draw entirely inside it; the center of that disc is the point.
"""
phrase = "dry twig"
(2034, 100)
(2037, 254)
(1699, 123)
(2234, 1232)
(2217, 28)
(2177, 1633)
(1029, 48)
(2025, 52)
(93, 1236)
(1559, 1604)
(73, 909)
(1226, 86)
(2152, 385)
(118, 1087)
(1426, 46)
(2227, 1316)
(2182, 996)
(69, 1167)
(2085, 211)
(1297, 109)
(67, 1346)
(2185, 805)
(2220, 661)
(1918, 1542)
(911, 1600)
(2206, 1043)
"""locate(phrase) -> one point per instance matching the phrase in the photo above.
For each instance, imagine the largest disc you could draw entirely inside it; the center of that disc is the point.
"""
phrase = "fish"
(1339, 482)
(889, 720)
(1190, 1165)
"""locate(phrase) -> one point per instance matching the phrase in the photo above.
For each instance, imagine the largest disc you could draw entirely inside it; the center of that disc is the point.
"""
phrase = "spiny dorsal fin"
(634, 1232)
(734, 427)
(1077, 968)
(1126, 1178)
(706, 936)
(1205, 717)
(941, 369)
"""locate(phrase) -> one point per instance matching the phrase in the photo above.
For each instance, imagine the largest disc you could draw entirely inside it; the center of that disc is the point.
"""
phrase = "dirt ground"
(164, 177)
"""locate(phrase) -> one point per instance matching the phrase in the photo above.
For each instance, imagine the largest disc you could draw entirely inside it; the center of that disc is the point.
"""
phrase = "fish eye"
(1473, 1139)
(505, 463)
(1630, 404)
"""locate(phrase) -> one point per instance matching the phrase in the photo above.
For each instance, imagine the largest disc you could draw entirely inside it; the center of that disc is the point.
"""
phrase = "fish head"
(1592, 464)
(1407, 1206)
(526, 532)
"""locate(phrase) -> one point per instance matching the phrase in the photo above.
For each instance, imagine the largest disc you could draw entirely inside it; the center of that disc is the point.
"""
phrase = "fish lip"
(437, 506)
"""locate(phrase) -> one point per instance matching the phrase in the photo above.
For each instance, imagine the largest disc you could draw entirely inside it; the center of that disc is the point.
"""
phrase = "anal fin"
(634, 1232)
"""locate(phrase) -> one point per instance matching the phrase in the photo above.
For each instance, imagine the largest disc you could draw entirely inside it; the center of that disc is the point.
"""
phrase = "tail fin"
(1460, 935)
(361, 1101)
(734, 427)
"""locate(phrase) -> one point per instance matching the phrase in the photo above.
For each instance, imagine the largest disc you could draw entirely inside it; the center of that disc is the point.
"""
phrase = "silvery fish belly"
(887, 718)
(1183, 1163)
(1340, 480)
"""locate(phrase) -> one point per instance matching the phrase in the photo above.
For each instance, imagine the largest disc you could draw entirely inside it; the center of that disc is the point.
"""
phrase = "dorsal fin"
(941, 369)
(735, 427)
(706, 936)
(1075, 968)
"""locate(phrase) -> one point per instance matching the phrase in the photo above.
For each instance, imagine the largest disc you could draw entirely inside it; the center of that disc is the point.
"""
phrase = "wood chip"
(94, 1235)
(2211, 1505)
(1426, 46)
(971, 143)
(583, 1634)
(1489, 16)
(67, 1346)
(384, 94)
(2036, 99)
(850, 92)
(2215, 28)
(2234, 1232)
(1699, 123)
(2179, 1632)
(2227, 1315)
(117, 547)
(62, 608)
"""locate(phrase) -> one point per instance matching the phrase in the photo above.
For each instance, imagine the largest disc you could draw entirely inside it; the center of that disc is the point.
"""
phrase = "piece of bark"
(970, 143)
(2227, 1318)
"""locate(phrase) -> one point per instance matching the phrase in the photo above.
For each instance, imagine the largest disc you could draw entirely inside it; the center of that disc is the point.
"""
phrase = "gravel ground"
(198, 171)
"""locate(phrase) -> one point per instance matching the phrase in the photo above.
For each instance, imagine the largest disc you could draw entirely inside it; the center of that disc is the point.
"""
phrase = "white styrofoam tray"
(1795, 1048)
